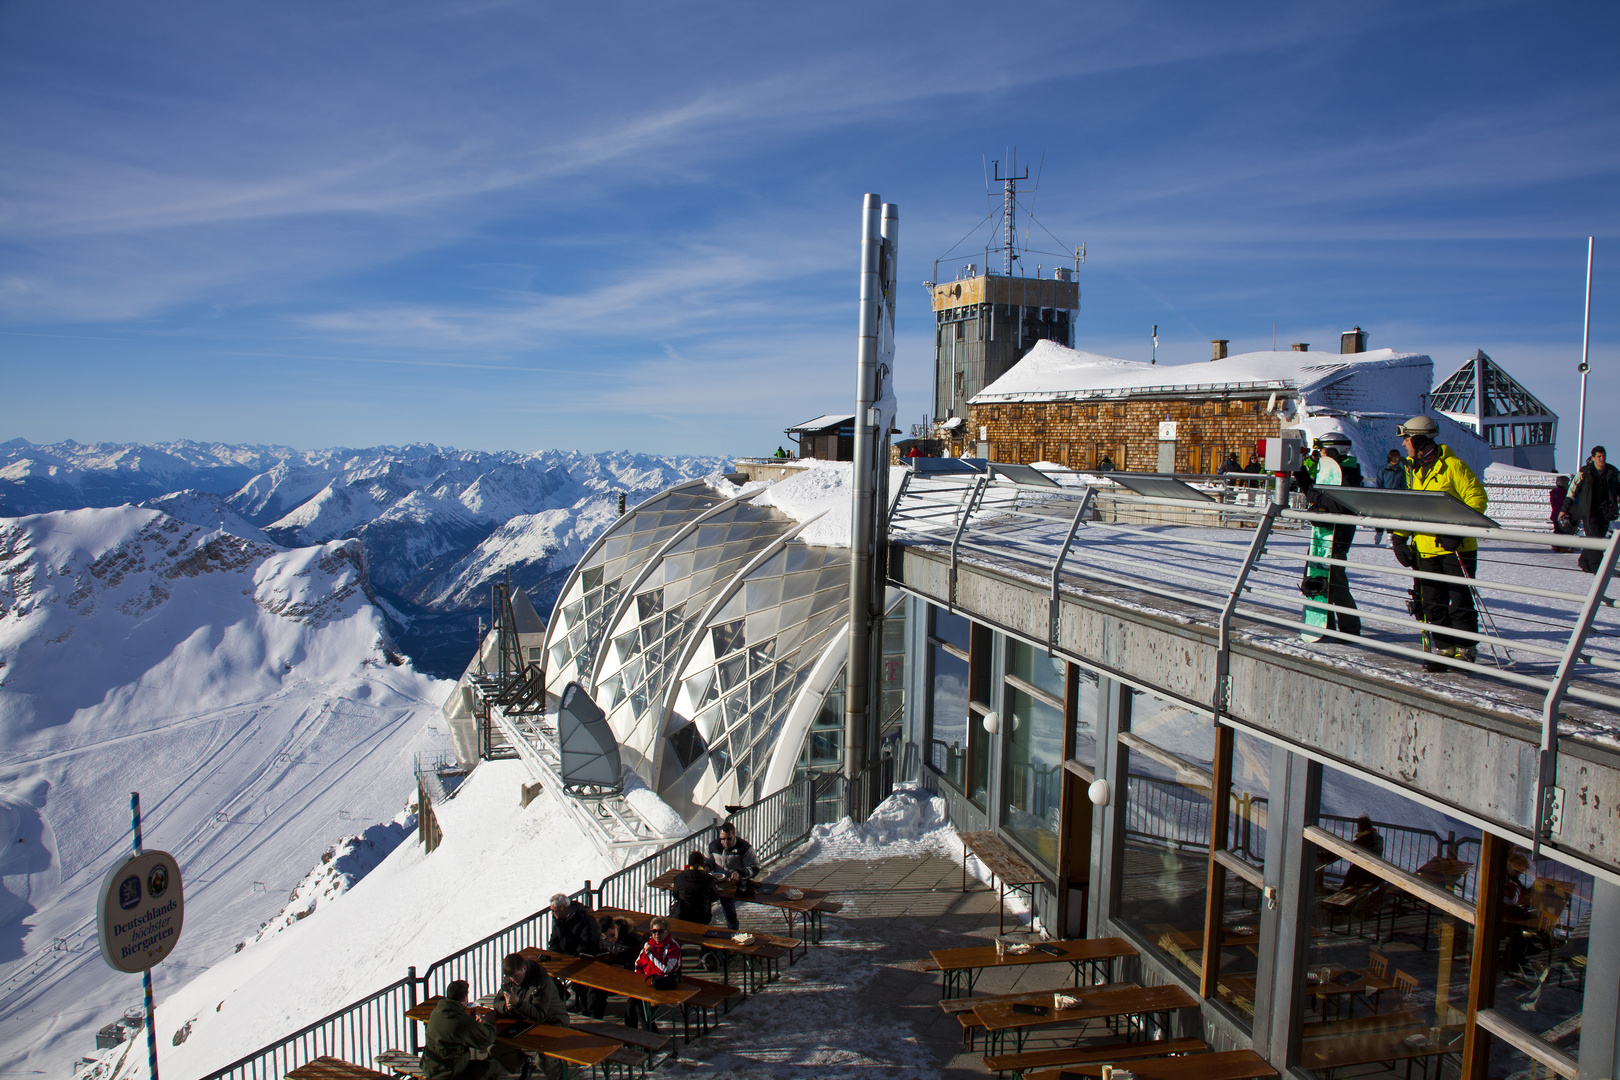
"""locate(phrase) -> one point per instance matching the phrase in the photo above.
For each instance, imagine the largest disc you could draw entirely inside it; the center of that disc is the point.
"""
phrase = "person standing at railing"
(1336, 445)
(1431, 466)
(1557, 496)
(1593, 501)
(1392, 477)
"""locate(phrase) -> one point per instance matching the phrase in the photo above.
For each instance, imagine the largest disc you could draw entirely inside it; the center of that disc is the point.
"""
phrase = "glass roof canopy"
(710, 636)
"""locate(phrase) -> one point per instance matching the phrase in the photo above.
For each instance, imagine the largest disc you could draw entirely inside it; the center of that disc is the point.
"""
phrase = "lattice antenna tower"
(1009, 212)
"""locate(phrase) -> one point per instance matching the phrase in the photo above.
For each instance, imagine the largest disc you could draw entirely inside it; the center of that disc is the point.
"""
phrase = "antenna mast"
(1009, 213)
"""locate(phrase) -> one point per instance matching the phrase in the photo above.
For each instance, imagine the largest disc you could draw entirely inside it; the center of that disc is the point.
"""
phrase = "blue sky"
(603, 226)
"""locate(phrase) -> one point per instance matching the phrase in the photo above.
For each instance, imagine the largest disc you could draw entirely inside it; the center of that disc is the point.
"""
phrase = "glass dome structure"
(710, 635)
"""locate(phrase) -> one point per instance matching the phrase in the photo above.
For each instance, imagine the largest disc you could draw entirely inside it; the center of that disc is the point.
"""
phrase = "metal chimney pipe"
(862, 536)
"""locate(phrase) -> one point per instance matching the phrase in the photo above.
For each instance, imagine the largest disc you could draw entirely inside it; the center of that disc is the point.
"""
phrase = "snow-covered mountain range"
(249, 692)
(437, 524)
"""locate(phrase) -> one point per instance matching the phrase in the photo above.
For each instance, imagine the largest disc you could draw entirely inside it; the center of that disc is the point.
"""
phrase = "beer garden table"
(961, 967)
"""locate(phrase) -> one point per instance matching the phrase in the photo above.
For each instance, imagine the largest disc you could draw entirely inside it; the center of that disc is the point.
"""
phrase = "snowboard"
(1316, 616)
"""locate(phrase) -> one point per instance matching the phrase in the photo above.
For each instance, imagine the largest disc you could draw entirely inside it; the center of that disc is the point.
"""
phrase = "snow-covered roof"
(822, 423)
(1052, 372)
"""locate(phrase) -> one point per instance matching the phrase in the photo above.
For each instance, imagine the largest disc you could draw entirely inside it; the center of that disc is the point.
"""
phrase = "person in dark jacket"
(1392, 477)
(733, 857)
(528, 993)
(1105, 464)
(453, 1036)
(1593, 501)
(574, 933)
(1231, 464)
(693, 891)
(1557, 495)
(621, 947)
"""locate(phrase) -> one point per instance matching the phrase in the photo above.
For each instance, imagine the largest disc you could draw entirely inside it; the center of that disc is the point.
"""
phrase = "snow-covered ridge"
(247, 691)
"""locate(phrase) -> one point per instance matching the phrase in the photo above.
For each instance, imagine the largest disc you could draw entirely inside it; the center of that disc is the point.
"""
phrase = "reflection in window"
(948, 696)
(1167, 801)
(1387, 975)
(1543, 931)
(1032, 710)
(1241, 902)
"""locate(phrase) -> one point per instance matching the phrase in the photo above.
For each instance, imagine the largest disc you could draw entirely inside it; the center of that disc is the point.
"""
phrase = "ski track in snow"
(240, 688)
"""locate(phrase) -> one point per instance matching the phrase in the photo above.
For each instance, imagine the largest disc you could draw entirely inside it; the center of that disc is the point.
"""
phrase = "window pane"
(1085, 721)
(1387, 974)
(1546, 923)
(1165, 878)
(1034, 773)
(1241, 902)
(1035, 667)
(951, 628)
(948, 716)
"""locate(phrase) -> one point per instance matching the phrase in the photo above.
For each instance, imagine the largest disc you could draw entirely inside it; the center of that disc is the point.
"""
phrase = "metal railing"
(1560, 644)
(360, 1031)
(357, 1033)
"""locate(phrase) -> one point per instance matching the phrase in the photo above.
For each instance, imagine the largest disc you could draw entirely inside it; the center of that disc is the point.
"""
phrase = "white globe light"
(1098, 792)
(992, 722)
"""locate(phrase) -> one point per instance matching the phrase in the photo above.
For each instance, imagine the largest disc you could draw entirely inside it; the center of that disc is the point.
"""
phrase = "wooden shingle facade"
(1080, 434)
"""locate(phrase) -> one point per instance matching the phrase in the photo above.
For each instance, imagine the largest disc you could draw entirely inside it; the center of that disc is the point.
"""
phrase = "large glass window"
(1165, 877)
(1386, 982)
(948, 639)
(1032, 709)
(1241, 901)
(1543, 929)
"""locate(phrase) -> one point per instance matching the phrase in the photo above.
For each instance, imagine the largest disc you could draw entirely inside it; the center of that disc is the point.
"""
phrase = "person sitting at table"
(528, 993)
(693, 891)
(659, 963)
(1367, 839)
(732, 856)
(574, 933)
(621, 947)
(453, 1036)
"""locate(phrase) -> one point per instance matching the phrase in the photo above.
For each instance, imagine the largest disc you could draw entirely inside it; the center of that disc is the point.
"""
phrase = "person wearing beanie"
(1592, 502)
(1431, 466)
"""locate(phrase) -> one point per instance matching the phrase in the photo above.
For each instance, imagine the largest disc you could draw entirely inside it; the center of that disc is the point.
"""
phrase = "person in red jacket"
(659, 962)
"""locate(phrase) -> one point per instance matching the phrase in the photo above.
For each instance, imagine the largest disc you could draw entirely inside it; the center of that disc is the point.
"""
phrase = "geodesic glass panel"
(616, 558)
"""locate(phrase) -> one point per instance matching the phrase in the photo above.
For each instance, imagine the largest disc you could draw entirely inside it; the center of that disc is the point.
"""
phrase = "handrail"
(377, 1022)
(994, 520)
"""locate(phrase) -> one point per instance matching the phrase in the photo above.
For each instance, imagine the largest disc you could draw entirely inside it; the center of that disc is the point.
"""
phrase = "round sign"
(138, 918)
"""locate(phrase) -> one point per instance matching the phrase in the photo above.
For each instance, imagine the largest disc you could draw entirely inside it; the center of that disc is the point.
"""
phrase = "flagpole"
(1586, 351)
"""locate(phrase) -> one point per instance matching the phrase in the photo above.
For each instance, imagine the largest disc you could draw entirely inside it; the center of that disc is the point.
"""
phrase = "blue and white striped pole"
(146, 976)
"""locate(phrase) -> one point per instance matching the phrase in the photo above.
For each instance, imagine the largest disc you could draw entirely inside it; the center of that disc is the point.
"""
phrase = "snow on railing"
(1559, 643)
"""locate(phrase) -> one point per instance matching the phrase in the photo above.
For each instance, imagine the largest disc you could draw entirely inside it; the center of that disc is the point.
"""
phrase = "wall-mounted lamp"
(1098, 792)
(992, 722)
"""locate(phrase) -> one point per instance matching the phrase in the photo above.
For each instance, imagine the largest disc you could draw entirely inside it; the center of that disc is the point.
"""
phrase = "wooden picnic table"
(1222, 1065)
(615, 980)
(1332, 986)
(810, 906)
(961, 967)
(1000, 1017)
(331, 1068)
(762, 954)
(569, 1047)
(1327, 1054)
(1013, 874)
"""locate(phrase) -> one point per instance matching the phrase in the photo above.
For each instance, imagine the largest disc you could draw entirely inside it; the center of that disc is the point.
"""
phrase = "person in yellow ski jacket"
(1431, 466)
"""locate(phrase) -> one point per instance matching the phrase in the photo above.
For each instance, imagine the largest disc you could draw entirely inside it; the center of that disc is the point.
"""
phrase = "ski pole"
(1479, 603)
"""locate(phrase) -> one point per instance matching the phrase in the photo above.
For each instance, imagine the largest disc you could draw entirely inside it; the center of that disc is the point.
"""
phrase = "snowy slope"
(498, 863)
(245, 691)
